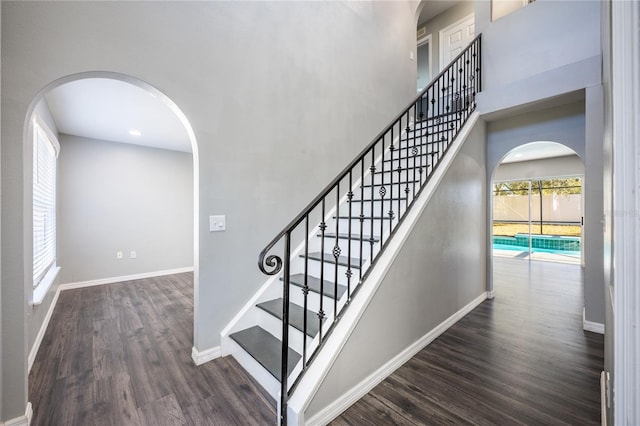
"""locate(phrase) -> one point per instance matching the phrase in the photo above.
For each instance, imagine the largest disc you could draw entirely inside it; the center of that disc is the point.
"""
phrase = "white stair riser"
(330, 268)
(391, 190)
(356, 229)
(257, 371)
(344, 244)
(274, 326)
(366, 224)
(421, 161)
(378, 208)
(402, 176)
(399, 191)
(313, 299)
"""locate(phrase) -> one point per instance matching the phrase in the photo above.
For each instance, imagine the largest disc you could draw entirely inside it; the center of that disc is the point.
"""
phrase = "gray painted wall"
(426, 284)
(280, 96)
(443, 20)
(593, 231)
(119, 197)
(543, 36)
(563, 124)
(540, 51)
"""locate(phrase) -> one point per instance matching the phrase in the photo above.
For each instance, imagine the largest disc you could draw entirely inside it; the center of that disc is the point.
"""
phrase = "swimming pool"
(569, 246)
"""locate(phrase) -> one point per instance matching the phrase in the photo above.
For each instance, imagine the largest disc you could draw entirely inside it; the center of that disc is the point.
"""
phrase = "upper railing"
(376, 189)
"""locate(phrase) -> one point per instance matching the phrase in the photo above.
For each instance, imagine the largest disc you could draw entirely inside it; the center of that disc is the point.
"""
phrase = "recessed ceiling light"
(134, 132)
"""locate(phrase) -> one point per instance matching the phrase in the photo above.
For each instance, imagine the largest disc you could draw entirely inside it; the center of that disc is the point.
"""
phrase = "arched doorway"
(162, 104)
(537, 203)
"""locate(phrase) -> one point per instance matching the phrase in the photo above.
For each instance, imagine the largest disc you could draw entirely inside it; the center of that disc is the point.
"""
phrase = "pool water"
(568, 246)
(498, 246)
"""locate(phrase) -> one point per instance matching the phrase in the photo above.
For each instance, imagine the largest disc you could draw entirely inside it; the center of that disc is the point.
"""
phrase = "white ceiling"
(108, 109)
(536, 151)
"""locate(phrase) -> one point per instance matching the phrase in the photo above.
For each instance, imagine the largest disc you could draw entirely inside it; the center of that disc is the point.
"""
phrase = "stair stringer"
(318, 370)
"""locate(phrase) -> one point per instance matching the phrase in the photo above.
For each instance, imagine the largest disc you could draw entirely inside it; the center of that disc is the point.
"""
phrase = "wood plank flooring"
(521, 358)
(120, 354)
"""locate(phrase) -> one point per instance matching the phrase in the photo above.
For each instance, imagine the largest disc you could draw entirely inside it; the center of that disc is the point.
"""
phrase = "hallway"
(521, 358)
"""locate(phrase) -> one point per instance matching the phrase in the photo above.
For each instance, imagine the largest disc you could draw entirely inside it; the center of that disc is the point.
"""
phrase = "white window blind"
(45, 153)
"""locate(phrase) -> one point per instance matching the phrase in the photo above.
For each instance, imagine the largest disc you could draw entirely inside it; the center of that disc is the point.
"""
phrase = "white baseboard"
(22, 420)
(43, 329)
(113, 280)
(595, 327)
(333, 410)
(200, 357)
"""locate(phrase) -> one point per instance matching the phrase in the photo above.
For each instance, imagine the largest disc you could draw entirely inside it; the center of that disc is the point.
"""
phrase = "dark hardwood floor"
(120, 354)
(521, 358)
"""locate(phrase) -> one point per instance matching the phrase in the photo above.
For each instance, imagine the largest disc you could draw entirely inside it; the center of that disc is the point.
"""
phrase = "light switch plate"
(217, 223)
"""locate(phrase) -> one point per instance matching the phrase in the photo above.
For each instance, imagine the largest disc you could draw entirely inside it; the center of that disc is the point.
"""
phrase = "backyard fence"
(556, 208)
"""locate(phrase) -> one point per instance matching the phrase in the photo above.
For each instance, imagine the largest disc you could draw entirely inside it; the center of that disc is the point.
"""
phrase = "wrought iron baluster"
(440, 93)
(421, 151)
(431, 125)
(466, 86)
(323, 227)
(399, 167)
(362, 217)
(413, 152)
(478, 46)
(449, 111)
(336, 254)
(445, 110)
(284, 394)
(406, 164)
(305, 290)
(372, 169)
(391, 148)
(349, 272)
(383, 192)
(459, 101)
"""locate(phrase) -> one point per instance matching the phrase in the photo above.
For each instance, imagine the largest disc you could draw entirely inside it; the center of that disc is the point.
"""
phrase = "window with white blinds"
(45, 153)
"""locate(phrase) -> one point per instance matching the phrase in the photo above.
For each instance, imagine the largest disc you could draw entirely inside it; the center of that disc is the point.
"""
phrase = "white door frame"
(448, 29)
(625, 294)
(427, 39)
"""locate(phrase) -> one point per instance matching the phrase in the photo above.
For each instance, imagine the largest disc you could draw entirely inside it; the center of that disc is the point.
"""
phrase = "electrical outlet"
(217, 223)
(133, 254)
(119, 255)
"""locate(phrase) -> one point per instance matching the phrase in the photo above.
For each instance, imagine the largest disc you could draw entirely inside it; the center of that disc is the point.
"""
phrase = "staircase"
(340, 234)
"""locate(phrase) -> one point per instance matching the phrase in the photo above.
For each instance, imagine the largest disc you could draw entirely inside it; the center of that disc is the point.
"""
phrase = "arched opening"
(537, 203)
(113, 188)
